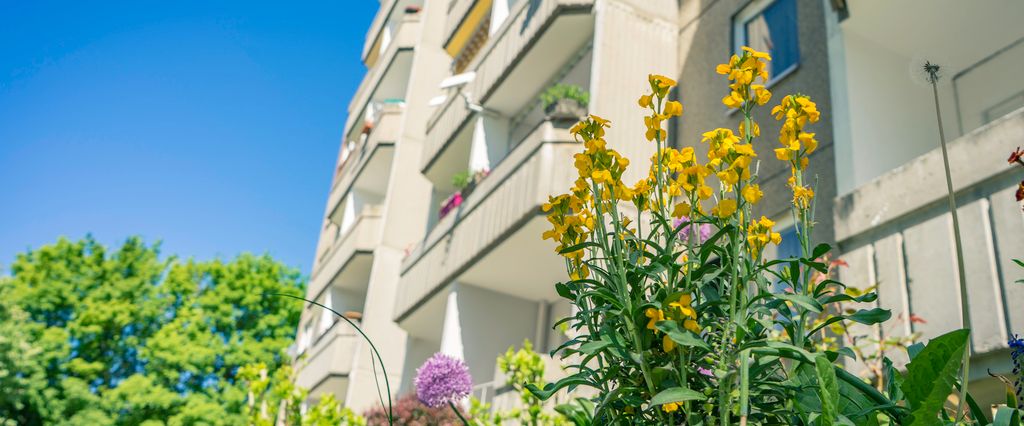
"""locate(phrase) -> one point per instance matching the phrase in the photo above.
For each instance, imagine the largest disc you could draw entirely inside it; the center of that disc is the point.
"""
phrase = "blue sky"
(211, 126)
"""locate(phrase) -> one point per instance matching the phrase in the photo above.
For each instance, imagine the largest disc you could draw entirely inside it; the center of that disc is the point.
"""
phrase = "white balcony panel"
(516, 62)
(389, 76)
(326, 366)
(369, 164)
(901, 219)
(340, 260)
(501, 205)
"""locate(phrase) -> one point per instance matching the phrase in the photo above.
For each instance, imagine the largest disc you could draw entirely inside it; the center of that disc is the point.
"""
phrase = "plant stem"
(964, 310)
(458, 413)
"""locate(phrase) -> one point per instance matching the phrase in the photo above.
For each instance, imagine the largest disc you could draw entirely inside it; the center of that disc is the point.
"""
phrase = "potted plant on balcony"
(565, 102)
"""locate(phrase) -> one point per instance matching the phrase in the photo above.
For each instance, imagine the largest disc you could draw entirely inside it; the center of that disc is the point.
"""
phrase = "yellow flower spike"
(673, 108)
(670, 407)
(601, 176)
(645, 101)
(692, 326)
(723, 69)
(725, 208)
(752, 193)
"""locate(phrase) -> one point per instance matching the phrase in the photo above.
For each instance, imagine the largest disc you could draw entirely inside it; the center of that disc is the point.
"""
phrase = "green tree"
(93, 336)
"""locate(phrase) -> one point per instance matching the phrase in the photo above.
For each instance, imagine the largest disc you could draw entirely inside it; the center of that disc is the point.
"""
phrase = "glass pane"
(775, 31)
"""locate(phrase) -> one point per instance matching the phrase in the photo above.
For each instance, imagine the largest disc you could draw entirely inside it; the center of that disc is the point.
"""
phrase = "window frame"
(748, 13)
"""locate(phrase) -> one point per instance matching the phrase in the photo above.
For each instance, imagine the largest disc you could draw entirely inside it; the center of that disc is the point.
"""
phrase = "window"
(769, 26)
(304, 336)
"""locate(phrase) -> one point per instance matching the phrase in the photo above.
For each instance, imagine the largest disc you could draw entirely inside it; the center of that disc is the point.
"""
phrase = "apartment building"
(453, 88)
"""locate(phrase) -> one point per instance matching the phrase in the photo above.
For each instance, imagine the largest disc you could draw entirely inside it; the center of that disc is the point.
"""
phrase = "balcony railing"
(502, 202)
(385, 131)
(503, 51)
(331, 356)
(404, 41)
(362, 237)
(378, 24)
(896, 232)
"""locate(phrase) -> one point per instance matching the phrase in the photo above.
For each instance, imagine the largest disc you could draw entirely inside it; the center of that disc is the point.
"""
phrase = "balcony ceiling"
(503, 269)
(374, 177)
(566, 36)
(354, 275)
(955, 31)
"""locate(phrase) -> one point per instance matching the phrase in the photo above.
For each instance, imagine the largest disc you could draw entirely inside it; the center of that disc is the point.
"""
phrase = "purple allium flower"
(703, 230)
(443, 380)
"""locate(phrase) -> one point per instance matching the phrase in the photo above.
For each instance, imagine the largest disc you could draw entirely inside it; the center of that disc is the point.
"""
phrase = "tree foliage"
(95, 336)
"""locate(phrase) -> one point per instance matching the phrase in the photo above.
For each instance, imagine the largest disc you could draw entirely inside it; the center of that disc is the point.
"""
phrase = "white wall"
(892, 118)
(490, 323)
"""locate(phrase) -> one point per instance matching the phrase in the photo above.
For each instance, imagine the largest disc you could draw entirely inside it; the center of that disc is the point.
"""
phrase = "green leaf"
(1006, 416)
(590, 348)
(931, 375)
(870, 316)
(681, 336)
(552, 388)
(820, 250)
(677, 394)
(828, 390)
(807, 302)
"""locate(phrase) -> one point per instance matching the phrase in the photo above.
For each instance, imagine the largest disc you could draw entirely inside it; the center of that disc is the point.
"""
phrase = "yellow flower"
(655, 315)
(808, 141)
(680, 210)
(761, 94)
(670, 407)
(673, 108)
(756, 54)
(802, 196)
(759, 234)
(645, 101)
(725, 208)
(704, 192)
(601, 176)
(733, 100)
(752, 193)
(667, 343)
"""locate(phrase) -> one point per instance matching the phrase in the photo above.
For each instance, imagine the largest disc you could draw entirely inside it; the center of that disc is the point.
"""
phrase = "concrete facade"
(479, 279)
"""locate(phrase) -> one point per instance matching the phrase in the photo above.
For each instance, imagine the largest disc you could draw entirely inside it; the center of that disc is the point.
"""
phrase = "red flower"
(1016, 157)
(1020, 191)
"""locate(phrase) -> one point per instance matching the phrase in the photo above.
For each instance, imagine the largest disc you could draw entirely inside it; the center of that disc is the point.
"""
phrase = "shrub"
(564, 91)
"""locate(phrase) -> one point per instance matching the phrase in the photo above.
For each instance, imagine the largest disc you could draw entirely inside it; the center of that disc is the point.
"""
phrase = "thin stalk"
(933, 78)
(387, 384)
(458, 413)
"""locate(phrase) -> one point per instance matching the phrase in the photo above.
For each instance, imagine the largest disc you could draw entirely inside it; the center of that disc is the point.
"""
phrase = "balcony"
(511, 69)
(500, 220)
(382, 29)
(895, 233)
(347, 260)
(368, 165)
(326, 366)
(388, 78)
